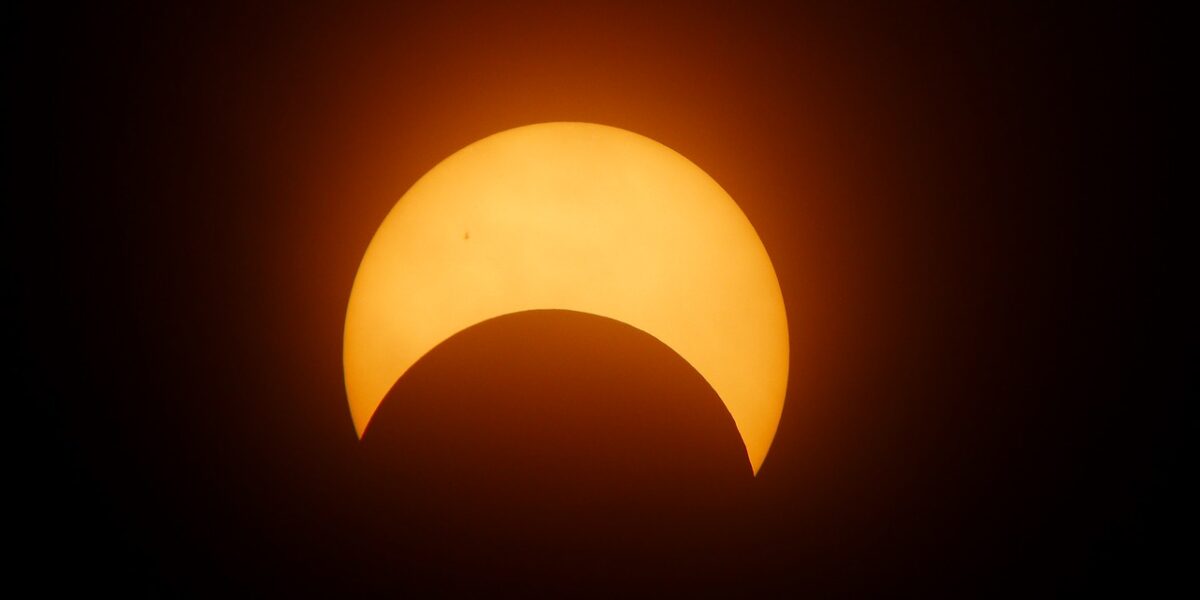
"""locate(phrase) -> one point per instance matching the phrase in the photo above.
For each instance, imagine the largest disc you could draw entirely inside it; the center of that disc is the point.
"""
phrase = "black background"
(960, 204)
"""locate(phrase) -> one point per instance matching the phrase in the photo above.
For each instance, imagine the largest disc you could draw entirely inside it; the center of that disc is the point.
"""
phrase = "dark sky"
(960, 204)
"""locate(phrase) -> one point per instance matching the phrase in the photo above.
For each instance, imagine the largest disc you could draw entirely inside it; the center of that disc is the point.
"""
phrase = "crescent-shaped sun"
(581, 217)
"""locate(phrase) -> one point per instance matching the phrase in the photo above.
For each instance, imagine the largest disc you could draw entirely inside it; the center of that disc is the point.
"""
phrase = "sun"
(583, 217)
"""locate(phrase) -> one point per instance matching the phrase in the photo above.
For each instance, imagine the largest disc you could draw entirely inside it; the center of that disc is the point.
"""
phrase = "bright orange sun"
(581, 217)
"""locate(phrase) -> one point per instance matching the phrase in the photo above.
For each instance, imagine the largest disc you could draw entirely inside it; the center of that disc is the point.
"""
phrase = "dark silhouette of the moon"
(553, 446)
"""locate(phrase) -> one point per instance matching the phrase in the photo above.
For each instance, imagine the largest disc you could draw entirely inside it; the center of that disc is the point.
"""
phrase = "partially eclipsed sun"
(580, 217)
